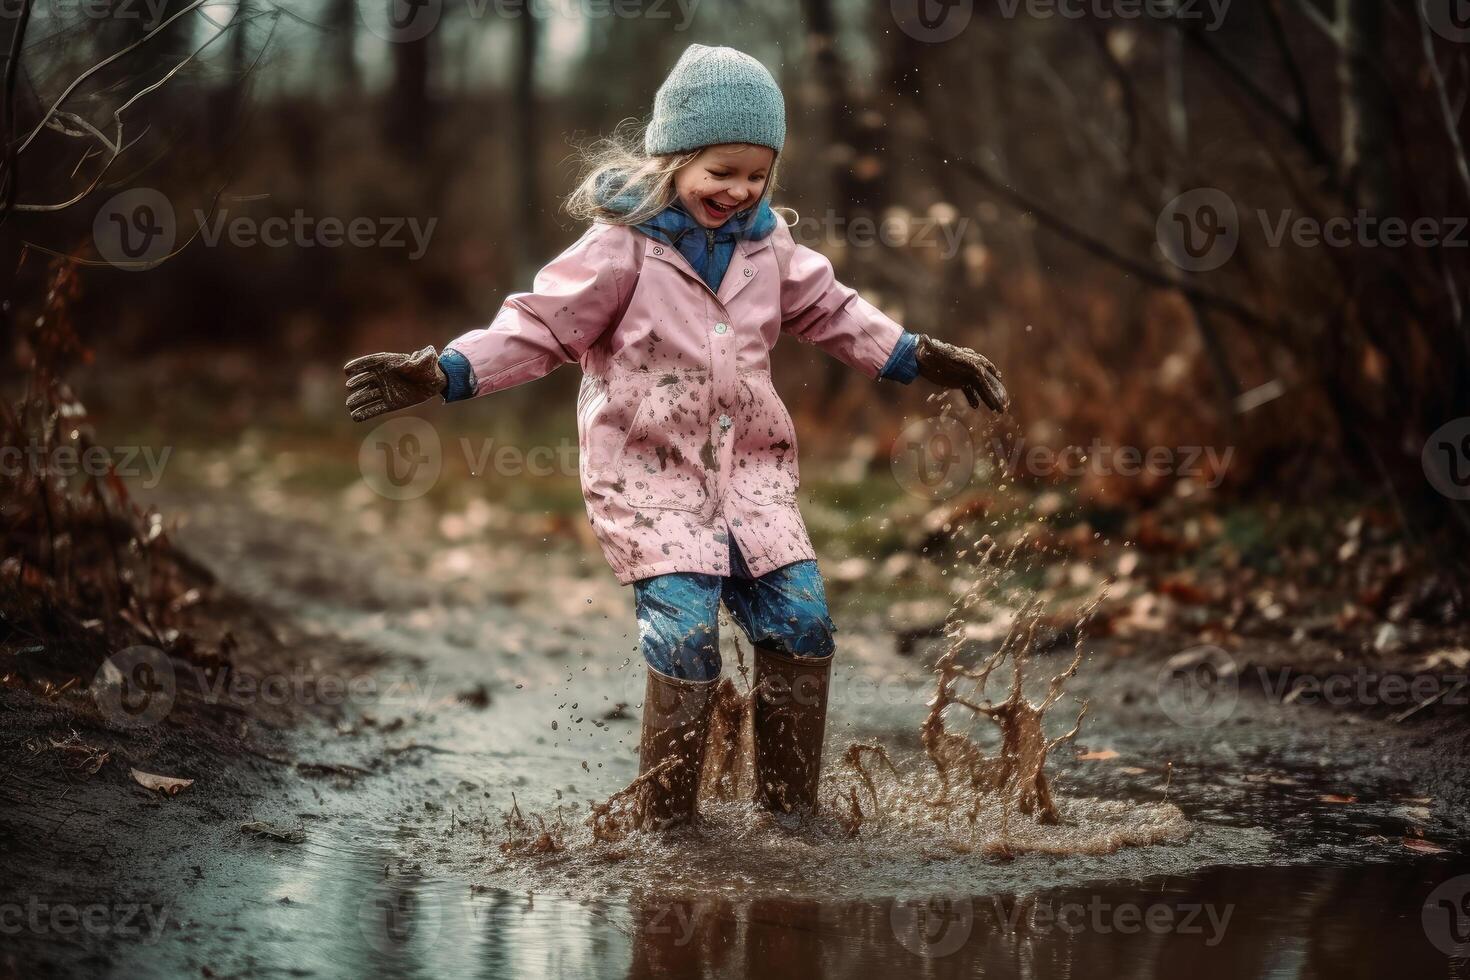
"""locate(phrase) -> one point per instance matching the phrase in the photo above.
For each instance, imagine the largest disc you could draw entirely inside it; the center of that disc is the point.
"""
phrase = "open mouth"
(717, 210)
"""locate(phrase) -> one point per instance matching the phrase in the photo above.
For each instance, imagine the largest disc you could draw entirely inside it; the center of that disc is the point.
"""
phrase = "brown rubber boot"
(790, 720)
(675, 723)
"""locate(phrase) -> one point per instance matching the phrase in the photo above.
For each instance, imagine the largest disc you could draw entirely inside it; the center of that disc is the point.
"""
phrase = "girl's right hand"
(379, 383)
(950, 366)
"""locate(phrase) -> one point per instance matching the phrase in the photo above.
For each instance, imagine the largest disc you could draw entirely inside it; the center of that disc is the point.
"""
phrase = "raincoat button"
(725, 422)
(657, 250)
(749, 273)
(721, 327)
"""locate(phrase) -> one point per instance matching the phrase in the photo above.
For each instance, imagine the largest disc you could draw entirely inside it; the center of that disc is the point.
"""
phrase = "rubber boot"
(790, 720)
(675, 723)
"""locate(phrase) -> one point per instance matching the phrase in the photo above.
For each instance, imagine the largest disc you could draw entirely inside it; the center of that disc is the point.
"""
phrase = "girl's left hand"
(386, 382)
(959, 367)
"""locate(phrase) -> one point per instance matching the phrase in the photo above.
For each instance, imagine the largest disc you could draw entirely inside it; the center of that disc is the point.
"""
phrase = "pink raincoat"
(682, 436)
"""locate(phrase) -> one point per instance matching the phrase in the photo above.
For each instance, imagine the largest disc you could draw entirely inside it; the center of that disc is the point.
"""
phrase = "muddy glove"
(959, 367)
(381, 383)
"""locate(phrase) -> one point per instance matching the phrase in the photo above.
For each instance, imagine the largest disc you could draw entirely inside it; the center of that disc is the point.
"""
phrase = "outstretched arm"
(818, 309)
(574, 300)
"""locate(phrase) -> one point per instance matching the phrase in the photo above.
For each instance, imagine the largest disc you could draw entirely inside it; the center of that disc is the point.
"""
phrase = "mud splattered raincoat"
(683, 439)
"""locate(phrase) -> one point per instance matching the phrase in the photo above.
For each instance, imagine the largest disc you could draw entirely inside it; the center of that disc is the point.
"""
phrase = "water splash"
(885, 825)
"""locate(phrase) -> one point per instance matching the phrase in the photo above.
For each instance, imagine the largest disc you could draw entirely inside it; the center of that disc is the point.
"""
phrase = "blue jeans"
(678, 626)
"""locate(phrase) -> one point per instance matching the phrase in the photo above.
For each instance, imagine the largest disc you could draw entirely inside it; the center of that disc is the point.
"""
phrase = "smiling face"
(722, 180)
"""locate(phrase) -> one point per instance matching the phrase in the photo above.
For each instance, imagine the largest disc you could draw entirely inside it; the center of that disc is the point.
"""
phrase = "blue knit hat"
(716, 95)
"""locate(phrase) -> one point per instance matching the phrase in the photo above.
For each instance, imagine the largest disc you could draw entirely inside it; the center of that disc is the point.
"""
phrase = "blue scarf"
(708, 250)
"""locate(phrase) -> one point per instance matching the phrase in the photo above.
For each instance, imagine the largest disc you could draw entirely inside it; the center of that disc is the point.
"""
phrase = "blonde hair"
(617, 167)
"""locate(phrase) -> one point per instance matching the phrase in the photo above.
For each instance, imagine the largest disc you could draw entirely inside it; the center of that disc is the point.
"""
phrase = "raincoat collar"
(708, 250)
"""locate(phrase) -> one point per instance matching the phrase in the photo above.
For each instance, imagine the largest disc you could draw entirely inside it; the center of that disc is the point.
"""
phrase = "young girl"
(671, 303)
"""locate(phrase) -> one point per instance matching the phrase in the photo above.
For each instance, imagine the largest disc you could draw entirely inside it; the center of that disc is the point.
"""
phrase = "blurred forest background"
(1047, 148)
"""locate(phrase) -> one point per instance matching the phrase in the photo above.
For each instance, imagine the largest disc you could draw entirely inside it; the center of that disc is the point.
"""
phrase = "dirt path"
(438, 682)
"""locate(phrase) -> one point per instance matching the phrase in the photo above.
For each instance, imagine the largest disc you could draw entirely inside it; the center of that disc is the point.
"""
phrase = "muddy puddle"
(1276, 844)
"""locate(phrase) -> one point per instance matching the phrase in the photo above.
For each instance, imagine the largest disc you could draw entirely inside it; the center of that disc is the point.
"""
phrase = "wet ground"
(1300, 842)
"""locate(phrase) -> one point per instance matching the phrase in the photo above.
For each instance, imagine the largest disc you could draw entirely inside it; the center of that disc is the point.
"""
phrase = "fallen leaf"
(1457, 659)
(1184, 590)
(1423, 846)
(169, 785)
(1133, 770)
(1099, 756)
(291, 835)
(1337, 798)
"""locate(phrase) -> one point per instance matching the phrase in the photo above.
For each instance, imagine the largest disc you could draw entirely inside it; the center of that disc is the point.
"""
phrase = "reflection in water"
(358, 916)
(1225, 923)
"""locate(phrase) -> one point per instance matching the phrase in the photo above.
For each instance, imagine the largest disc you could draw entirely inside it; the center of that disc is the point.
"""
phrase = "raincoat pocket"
(763, 469)
(666, 462)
